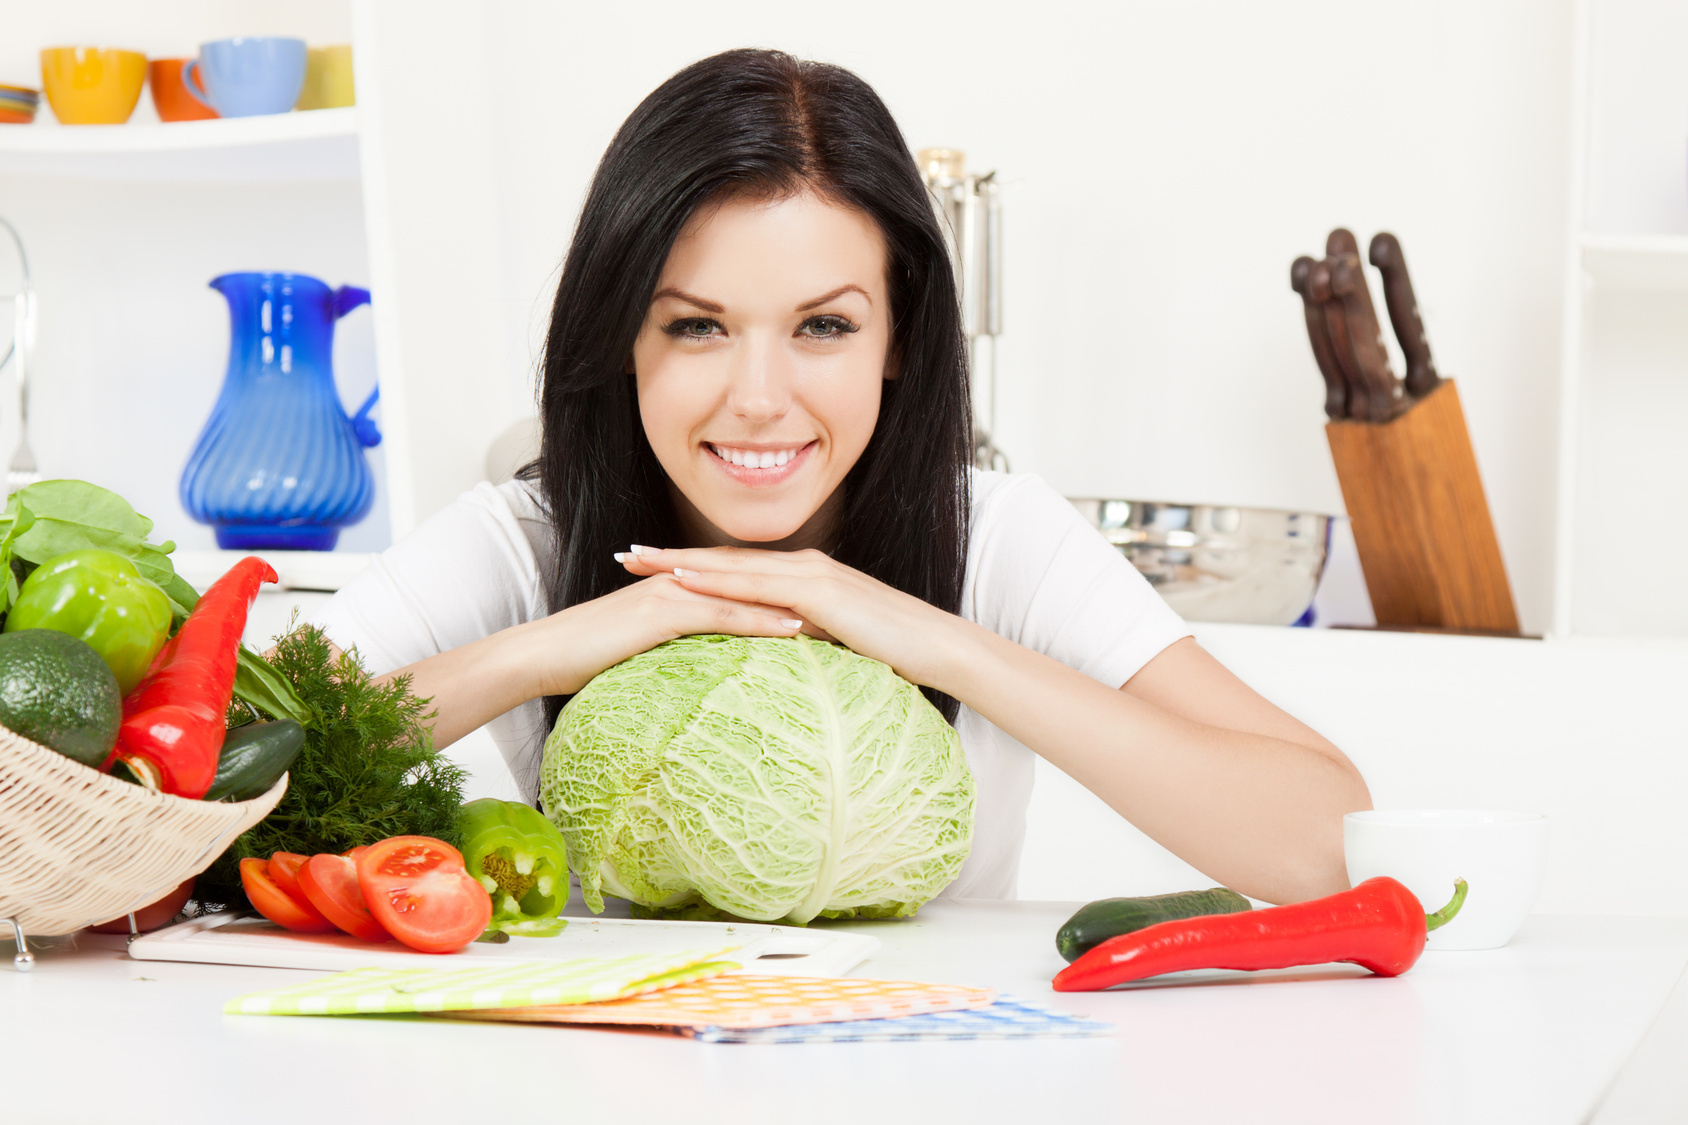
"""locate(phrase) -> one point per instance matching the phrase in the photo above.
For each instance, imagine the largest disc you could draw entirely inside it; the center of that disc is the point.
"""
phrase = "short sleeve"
(1041, 576)
(470, 570)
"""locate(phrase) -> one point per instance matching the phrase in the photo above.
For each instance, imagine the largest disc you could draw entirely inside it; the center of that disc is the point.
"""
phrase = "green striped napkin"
(582, 980)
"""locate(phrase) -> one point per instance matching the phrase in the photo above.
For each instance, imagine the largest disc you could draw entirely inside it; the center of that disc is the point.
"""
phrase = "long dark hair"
(769, 125)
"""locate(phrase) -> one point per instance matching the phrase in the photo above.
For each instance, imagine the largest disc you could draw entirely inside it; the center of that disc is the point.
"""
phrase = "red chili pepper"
(173, 721)
(1378, 925)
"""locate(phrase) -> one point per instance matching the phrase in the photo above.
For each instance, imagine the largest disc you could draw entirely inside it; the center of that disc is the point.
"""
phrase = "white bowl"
(1500, 855)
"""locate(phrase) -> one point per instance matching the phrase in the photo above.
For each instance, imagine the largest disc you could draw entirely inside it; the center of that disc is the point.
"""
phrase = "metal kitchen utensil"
(22, 472)
(969, 207)
(1211, 562)
(1403, 314)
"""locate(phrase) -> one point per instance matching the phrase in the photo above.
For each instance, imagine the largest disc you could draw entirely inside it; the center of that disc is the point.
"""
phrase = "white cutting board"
(243, 938)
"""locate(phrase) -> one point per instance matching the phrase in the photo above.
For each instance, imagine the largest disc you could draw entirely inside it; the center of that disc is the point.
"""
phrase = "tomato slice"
(330, 883)
(417, 888)
(284, 873)
(275, 904)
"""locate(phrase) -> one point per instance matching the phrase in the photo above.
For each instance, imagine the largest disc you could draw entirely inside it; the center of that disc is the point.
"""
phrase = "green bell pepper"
(520, 858)
(100, 597)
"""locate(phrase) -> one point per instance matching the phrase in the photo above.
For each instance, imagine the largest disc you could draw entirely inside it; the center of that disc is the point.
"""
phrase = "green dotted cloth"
(583, 980)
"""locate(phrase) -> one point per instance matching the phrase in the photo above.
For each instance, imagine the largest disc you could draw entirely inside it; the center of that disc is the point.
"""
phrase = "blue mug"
(247, 76)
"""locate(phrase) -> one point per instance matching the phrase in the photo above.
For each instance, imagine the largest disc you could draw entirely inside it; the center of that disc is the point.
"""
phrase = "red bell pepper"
(173, 721)
(1378, 925)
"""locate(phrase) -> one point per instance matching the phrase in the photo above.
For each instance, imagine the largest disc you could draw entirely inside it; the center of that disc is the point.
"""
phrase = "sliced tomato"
(330, 882)
(275, 904)
(284, 873)
(417, 888)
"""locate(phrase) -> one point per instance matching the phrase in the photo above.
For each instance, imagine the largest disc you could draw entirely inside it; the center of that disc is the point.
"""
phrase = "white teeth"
(754, 459)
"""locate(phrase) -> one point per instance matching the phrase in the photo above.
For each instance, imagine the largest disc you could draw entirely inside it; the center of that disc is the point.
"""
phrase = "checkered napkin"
(748, 1000)
(1008, 1018)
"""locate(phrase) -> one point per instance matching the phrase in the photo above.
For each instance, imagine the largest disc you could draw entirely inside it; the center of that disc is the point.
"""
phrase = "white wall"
(1164, 164)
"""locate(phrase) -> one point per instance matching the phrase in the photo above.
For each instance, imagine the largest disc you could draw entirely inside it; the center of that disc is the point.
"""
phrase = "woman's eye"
(692, 327)
(825, 327)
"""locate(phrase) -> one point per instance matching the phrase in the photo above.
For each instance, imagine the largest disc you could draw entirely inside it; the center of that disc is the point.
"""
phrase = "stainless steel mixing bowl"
(1254, 566)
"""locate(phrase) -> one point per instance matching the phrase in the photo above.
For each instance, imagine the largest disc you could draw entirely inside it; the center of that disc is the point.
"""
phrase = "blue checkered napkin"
(1008, 1018)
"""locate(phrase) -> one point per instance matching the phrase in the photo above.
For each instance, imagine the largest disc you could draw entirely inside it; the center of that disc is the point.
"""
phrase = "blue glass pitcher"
(279, 465)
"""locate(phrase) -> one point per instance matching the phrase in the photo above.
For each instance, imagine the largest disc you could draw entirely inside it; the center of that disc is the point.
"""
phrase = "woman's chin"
(758, 528)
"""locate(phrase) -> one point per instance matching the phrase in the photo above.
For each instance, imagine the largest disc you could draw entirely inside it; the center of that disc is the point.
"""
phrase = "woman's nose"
(760, 381)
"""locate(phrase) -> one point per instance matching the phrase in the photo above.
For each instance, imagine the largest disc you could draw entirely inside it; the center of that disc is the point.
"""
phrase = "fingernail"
(622, 556)
(678, 573)
(791, 623)
(638, 550)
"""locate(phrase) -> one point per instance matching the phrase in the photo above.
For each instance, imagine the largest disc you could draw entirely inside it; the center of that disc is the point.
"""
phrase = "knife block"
(1421, 522)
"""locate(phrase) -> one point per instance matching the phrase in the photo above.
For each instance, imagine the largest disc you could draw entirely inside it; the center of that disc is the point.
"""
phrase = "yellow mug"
(328, 78)
(92, 85)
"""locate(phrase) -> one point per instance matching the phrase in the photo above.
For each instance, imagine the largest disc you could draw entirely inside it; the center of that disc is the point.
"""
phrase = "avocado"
(56, 690)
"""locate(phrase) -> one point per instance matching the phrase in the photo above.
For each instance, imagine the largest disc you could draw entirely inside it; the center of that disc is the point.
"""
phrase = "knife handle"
(1336, 389)
(1355, 399)
(1403, 314)
(1348, 282)
(1340, 242)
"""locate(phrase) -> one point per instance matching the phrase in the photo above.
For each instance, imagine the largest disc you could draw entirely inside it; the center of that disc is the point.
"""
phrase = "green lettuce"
(765, 778)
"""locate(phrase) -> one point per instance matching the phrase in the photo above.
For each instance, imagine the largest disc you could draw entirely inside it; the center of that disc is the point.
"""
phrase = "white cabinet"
(1623, 460)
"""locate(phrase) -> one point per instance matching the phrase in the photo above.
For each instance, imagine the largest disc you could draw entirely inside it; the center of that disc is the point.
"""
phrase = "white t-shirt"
(1037, 574)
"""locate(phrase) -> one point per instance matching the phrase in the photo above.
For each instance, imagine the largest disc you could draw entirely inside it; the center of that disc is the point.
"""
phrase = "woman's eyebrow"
(835, 294)
(680, 294)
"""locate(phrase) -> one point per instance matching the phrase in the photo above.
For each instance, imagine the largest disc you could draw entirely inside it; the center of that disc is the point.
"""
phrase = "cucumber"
(1110, 917)
(254, 757)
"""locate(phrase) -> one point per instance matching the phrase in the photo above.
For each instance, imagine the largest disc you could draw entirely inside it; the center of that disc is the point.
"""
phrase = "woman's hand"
(831, 600)
(585, 639)
(559, 654)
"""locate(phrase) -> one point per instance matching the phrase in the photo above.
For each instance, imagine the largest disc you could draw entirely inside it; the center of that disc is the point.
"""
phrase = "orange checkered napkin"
(744, 1000)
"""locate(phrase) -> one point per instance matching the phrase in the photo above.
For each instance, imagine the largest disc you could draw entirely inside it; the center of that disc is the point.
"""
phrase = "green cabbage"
(769, 778)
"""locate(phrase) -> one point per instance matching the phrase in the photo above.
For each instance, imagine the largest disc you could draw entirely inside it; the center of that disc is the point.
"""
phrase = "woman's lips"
(722, 455)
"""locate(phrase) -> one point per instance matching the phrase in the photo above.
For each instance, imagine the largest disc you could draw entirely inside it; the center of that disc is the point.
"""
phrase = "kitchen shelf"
(298, 570)
(314, 145)
(1637, 261)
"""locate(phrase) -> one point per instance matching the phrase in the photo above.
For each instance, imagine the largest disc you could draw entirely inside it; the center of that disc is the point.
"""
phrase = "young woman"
(756, 421)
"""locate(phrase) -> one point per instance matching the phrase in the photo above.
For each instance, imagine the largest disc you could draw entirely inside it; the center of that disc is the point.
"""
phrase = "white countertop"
(1534, 1032)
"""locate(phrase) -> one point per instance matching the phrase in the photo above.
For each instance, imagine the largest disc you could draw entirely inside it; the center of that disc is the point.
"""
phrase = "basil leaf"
(18, 520)
(88, 504)
(73, 515)
(258, 685)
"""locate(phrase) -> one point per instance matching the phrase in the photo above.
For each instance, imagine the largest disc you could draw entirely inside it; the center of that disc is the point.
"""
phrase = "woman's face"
(760, 364)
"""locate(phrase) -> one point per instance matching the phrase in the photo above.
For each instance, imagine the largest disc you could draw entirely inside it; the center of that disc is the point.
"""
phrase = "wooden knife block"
(1421, 522)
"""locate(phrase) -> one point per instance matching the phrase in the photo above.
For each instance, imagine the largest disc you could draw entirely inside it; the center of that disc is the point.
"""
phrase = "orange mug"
(170, 97)
(92, 85)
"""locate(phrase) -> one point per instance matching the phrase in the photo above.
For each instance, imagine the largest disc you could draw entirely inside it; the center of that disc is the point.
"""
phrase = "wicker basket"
(79, 847)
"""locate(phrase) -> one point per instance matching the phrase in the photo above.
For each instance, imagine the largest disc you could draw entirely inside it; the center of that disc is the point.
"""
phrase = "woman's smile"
(759, 464)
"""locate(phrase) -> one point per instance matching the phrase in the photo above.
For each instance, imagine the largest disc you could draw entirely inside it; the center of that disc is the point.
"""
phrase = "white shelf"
(314, 145)
(1652, 261)
(298, 570)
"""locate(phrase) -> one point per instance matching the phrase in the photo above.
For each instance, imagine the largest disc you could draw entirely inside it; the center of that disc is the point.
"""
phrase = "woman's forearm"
(473, 684)
(1259, 813)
